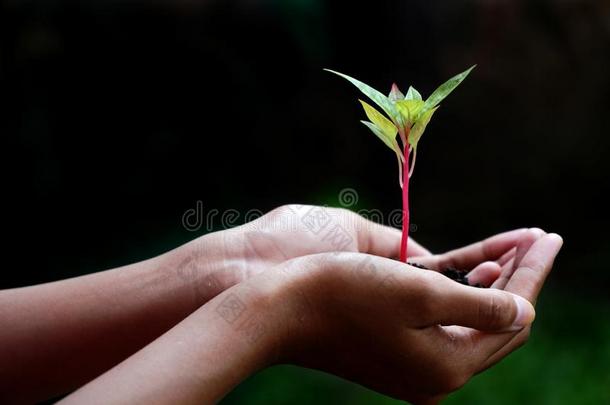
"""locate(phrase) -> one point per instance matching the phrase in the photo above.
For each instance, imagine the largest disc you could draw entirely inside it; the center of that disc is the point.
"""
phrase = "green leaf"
(420, 126)
(409, 110)
(378, 98)
(413, 94)
(395, 93)
(444, 89)
(385, 125)
(390, 143)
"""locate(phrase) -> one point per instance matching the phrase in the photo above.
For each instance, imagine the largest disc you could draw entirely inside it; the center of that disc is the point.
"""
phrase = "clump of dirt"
(460, 276)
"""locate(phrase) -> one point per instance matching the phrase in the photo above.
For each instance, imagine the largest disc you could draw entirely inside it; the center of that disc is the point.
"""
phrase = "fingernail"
(525, 313)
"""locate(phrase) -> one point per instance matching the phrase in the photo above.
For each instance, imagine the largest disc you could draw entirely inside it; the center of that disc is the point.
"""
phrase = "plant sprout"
(408, 117)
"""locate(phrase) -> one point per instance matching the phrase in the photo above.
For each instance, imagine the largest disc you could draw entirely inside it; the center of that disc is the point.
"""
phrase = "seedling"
(408, 117)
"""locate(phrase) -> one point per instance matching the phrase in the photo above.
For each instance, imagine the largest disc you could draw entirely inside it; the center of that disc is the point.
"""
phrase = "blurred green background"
(120, 116)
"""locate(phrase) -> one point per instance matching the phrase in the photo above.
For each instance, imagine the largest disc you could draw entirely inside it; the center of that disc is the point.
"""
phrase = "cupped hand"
(289, 232)
(484, 260)
(297, 230)
(305, 294)
(292, 231)
(408, 333)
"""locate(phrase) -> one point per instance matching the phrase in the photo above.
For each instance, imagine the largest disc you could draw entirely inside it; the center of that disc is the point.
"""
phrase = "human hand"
(220, 260)
(484, 260)
(513, 261)
(405, 332)
(410, 333)
(234, 255)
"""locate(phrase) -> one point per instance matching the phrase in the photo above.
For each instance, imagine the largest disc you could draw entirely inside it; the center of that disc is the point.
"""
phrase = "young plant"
(408, 117)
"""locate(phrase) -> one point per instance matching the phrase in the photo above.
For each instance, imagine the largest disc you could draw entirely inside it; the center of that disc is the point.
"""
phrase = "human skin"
(405, 332)
(65, 333)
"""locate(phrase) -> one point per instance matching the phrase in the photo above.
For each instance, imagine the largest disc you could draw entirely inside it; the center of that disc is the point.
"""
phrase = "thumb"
(483, 309)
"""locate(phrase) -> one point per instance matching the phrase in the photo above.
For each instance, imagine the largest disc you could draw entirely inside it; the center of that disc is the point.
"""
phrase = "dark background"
(118, 116)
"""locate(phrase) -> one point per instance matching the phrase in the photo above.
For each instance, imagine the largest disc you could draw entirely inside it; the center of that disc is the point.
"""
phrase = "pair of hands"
(334, 300)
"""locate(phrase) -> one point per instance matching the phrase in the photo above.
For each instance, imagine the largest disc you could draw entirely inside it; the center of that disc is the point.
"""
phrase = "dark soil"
(459, 276)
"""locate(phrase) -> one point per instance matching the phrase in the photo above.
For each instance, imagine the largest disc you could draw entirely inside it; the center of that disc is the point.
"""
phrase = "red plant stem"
(405, 207)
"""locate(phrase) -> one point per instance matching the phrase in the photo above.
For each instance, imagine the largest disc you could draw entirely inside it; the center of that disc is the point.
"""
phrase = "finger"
(467, 257)
(481, 309)
(415, 249)
(526, 241)
(538, 233)
(384, 241)
(528, 278)
(526, 281)
(485, 274)
(506, 257)
(374, 238)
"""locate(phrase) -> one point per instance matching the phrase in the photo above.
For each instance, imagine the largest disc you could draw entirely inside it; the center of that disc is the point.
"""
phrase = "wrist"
(299, 301)
(204, 356)
(203, 267)
(281, 309)
(262, 316)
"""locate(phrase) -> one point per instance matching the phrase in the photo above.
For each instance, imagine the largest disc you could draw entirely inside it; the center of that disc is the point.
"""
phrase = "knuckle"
(282, 217)
(536, 264)
(335, 263)
(493, 313)
(281, 211)
(270, 218)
